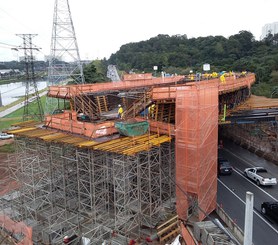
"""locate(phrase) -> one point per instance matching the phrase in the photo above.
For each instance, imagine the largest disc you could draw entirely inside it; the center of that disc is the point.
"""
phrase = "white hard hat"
(119, 105)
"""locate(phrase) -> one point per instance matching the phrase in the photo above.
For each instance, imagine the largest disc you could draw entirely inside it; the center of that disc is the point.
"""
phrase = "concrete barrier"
(237, 232)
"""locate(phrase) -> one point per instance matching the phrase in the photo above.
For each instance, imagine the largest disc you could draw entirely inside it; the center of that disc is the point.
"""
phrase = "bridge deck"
(257, 102)
(167, 91)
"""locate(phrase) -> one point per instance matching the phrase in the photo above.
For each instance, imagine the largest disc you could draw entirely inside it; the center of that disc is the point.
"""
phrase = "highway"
(232, 191)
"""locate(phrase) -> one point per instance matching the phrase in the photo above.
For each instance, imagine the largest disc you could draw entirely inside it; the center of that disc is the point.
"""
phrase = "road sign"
(206, 67)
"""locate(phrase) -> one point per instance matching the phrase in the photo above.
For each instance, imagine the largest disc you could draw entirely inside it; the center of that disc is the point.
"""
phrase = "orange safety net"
(196, 147)
(17, 228)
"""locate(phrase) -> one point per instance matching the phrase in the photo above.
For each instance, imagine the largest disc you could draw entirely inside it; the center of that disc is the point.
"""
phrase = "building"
(269, 28)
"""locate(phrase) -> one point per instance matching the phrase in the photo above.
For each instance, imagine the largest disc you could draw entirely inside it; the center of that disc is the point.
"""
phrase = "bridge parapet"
(231, 84)
(69, 91)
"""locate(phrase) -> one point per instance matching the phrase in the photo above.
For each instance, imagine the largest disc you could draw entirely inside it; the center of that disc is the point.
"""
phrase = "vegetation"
(95, 71)
(6, 123)
(178, 54)
(8, 148)
(16, 116)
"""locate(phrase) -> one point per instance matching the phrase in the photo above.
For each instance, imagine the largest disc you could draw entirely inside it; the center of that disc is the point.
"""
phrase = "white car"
(4, 136)
(260, 176)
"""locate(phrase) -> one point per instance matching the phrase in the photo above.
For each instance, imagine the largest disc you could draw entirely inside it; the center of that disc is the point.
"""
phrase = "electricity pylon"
(31, 89)
(64, 62)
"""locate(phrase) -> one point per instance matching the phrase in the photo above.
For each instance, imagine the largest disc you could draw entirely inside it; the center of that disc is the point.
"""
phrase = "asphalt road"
(232, 190)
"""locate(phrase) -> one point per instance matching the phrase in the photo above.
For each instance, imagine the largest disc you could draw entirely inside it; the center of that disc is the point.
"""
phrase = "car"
(270, 209)
(4, 136)
(224, 167)
(260, 176)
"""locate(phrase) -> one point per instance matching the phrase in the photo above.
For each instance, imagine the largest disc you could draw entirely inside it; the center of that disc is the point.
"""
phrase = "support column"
(196, 148)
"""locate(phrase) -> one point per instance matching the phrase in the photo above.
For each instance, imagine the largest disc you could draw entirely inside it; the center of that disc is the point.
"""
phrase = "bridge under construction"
(79, 176)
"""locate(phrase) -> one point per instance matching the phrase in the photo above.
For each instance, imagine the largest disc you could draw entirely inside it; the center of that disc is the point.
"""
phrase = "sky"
(103, 26)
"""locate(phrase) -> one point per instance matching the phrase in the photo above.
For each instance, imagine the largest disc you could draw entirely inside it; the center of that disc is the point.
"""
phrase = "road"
(18, 106)
(232, 191)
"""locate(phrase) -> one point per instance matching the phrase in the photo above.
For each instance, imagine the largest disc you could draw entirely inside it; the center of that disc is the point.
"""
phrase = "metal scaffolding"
(65, 190)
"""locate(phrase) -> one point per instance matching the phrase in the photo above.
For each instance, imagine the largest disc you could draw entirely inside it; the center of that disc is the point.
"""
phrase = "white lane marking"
(248, 178)
(258, 214)
(249, 164)
(238, 171)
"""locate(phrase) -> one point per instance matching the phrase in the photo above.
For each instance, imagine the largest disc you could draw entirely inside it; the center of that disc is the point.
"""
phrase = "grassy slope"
(16, 116)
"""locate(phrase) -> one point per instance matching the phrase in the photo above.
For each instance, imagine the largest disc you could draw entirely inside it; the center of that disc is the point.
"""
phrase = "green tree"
(94, 72)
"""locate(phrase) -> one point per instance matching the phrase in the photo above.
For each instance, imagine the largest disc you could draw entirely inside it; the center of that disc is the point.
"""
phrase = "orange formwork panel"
(231, 84)
(196, 147)
(69, 123)
(129, 77)
(69, 91)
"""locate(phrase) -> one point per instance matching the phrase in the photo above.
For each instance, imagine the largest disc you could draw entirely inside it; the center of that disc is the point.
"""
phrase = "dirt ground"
(6, 183)
(5, 142)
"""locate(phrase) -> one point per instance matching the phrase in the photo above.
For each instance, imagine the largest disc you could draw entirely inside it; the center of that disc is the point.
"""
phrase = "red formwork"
(196, 147)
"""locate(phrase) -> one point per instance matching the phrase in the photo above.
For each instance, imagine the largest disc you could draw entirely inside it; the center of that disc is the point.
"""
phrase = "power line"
(11, 46)
(15, 19)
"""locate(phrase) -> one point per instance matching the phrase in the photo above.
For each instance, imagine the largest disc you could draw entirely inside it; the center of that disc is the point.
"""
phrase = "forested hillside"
(179, 54)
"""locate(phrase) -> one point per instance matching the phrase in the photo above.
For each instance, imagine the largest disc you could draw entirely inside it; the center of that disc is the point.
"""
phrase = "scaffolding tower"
(66, 190)
(64, 62)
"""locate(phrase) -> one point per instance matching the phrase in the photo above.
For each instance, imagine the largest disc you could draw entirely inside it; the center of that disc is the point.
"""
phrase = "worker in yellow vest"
(151, 110)
(222, 78)
(120, 111)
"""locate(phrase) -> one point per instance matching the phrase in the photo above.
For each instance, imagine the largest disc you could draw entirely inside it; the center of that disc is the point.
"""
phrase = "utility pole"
(31, 89)
(248, 225)
(64, 62)
(1, 104)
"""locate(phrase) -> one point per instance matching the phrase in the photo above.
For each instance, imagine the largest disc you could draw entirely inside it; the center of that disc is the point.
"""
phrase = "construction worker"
(120, 111)
(151, 111)
(214, 75)
(222, 78)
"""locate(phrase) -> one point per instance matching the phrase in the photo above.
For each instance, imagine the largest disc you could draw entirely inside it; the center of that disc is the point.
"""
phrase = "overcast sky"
(102, 26)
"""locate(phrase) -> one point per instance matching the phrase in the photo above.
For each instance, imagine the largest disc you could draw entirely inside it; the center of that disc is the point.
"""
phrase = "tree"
(91, 73)
(238, 52)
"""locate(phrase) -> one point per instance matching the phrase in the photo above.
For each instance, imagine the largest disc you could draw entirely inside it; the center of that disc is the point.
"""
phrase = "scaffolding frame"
(66, 190)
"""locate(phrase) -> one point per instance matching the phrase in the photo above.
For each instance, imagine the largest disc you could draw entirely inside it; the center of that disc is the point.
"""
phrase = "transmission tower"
(64, 63)
(31, 89)
(112, 73)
